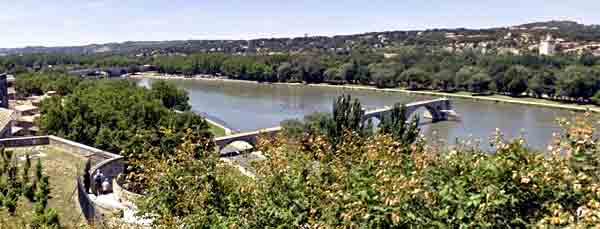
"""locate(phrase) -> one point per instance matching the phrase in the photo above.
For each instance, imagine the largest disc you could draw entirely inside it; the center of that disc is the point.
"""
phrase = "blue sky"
(78, 22)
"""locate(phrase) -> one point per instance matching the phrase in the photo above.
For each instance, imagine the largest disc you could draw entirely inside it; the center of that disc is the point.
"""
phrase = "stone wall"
(86, 204)
(96, 155)
(24, 141)
(126, 197)
(111, 168)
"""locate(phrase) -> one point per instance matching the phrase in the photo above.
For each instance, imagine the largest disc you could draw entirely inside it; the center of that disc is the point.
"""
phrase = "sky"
(81, 22)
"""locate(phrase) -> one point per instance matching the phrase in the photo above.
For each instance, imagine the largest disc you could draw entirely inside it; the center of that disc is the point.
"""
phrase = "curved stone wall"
(126, 197)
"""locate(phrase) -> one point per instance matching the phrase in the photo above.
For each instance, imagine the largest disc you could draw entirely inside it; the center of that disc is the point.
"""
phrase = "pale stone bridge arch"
(439, 109)
(248, 137)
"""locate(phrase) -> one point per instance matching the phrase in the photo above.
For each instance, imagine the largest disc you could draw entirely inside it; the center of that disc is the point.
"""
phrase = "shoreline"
(394, 90)
(225, 129)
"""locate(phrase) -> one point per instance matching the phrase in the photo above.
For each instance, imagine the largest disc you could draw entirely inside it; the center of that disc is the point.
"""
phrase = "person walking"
(98, 182)
(105, 185)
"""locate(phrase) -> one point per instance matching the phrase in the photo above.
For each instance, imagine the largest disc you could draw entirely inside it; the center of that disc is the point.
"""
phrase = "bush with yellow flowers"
(378, 182)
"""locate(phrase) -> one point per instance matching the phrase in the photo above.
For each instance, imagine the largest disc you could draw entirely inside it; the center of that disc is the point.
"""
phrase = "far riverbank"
(462, 95)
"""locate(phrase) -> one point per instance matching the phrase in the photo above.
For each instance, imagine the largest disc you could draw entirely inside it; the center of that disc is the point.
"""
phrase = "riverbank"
(461, 95)
(217, 129)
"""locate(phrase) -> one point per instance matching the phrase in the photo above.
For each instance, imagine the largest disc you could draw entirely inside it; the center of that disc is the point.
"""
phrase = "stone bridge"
(438, 108)
(249, 137)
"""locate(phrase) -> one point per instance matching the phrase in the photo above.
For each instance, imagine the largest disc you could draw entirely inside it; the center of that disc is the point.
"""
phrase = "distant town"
(548, 38)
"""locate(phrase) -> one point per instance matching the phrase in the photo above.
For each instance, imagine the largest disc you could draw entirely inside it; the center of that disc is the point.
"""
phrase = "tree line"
(564, 78)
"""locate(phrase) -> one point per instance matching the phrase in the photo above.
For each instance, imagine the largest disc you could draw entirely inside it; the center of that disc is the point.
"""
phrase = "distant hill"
(569, 30)
(555, 24)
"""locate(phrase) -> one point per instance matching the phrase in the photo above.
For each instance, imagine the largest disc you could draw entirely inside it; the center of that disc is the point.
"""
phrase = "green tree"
(444, 80)
(415, 78)
(284, 72)
(399, 127)
(170, 95)
(463, 76)
(577, 82)
(517, 77)
(383, 75)
(332, 75)
(543, 83)
(347, 116)
(480, 82)
(348, 72)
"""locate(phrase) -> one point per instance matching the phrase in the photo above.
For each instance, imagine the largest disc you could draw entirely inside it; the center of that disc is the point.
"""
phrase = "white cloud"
(96, 3)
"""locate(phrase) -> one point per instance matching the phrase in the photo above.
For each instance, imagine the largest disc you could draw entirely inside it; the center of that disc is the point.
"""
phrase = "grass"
(62, 168)
(216, 131)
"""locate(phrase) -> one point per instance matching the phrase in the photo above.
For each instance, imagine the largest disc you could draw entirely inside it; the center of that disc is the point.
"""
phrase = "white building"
(548, 46)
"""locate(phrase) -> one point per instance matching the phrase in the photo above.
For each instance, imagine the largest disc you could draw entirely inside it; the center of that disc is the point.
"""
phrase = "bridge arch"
(375, 121)
(250, 138)
(236, 147)
(438, 109)
(433, 112)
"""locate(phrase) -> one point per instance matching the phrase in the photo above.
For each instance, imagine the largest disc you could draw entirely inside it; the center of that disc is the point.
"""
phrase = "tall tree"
(347, 116)
(398, 125)
(517, 77)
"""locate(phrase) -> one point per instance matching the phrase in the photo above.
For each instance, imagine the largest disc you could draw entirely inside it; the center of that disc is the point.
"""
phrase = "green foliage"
(415, 78)
(399, 127)
(118, 116)
(384, 76)
(516, 78)
(170, 95)
(596, 98)
(12, 187)
(480, 82)
(109, 113)
(444, 80)
(379, 182)
(347, 115)
(543, 83)
(464, 75)
(39, 83)
(578, 82)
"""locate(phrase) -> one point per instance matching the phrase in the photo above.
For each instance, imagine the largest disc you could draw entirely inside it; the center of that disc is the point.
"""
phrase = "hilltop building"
(548, 46)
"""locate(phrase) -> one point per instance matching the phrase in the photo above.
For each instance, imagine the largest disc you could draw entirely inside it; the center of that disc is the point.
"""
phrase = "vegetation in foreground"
(33, 196)
(384, 179)
(216, 130)
(120, 117)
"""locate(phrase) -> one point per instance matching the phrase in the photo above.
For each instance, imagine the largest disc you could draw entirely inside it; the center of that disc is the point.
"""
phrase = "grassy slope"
(62, 168)
(217, 131)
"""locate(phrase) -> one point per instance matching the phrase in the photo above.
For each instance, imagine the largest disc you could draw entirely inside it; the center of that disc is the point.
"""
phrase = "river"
(249, 106)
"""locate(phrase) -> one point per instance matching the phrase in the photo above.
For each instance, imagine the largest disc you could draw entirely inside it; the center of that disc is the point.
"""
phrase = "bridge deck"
(413, 104)
(440, 105)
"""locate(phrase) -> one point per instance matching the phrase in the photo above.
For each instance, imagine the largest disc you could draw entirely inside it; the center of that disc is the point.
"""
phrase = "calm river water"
(249, 106)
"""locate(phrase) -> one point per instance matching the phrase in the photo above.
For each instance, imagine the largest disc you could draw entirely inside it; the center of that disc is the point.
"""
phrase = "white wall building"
(548, 46)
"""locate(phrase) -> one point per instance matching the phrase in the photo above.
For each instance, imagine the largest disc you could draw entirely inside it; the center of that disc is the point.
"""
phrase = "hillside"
(568, 30)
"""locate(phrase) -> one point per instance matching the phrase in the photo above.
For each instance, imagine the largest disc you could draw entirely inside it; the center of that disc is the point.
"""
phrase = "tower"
(547, 46)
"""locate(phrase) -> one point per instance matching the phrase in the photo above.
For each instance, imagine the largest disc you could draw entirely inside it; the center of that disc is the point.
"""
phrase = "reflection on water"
(250, 106)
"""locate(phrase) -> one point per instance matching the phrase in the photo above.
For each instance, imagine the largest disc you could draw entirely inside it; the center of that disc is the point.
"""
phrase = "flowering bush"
(376, 181)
